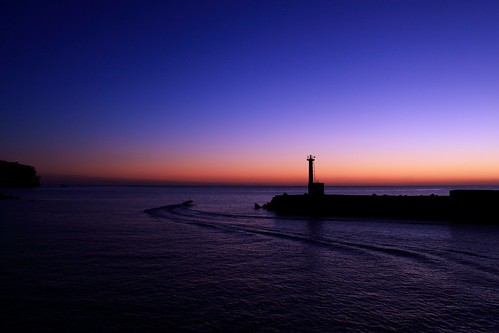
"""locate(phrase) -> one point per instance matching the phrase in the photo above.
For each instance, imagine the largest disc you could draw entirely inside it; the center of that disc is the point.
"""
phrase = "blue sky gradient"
(241, 91)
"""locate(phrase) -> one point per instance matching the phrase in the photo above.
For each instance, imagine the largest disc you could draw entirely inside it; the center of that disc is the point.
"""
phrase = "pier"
(480, 206)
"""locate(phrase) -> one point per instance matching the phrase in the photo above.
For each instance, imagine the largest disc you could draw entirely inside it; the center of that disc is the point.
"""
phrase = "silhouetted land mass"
(13, 174)
(466, 206)
(480, 206)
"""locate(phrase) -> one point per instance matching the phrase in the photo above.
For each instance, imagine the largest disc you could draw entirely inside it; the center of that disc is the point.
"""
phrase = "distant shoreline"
(16, 175)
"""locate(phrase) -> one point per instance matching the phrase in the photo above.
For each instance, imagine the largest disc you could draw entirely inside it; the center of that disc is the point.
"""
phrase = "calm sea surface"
(130, 259)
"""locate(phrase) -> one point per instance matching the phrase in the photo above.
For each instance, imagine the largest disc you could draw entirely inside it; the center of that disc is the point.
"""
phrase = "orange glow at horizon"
(266, 171)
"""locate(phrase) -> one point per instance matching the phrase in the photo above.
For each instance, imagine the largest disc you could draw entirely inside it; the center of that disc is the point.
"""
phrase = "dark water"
(90, 259)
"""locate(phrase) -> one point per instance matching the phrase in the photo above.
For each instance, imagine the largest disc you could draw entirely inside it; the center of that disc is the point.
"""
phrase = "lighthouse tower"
(310, 159)
(315, 189)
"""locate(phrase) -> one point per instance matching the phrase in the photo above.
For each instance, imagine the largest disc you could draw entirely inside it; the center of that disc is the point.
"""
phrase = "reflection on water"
(91, 259)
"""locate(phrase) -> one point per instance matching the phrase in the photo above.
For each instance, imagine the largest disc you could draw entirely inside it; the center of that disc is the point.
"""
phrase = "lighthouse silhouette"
(314, 189)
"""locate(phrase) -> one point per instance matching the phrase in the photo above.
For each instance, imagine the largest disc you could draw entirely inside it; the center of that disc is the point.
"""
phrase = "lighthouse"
(314, 189)
(310, 159)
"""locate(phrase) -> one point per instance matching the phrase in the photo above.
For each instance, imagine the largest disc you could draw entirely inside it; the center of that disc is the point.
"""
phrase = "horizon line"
(235, 184)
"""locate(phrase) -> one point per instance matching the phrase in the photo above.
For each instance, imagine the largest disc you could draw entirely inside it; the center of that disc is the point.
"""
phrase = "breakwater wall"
(459, 205)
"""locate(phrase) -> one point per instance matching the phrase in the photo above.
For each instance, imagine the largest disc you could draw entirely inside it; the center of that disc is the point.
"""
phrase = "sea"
(134, 259)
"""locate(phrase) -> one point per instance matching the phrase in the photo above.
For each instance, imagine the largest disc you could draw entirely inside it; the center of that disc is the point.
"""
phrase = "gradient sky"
(382, 92)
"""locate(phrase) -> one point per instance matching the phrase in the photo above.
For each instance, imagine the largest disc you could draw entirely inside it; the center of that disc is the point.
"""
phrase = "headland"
(13, 174)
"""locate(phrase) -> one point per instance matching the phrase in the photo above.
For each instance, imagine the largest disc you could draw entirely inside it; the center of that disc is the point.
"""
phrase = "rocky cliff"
(13, 174)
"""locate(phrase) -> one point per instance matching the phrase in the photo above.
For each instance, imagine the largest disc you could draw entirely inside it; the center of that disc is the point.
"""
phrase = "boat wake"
(284, 228)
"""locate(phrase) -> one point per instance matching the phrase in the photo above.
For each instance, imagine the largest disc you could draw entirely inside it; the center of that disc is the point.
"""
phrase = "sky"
(240, 92)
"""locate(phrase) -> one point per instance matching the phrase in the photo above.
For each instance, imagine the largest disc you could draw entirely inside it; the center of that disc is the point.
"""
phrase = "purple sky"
(241, 91)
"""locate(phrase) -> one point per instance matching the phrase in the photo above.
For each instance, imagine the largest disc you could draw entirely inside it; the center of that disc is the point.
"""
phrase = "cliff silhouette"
(13, 174)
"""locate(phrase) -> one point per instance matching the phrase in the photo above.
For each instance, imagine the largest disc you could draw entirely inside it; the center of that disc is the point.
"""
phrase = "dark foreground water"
(90, 259)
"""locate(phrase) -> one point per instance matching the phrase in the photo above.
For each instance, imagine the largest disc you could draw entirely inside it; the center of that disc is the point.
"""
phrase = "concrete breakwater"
(460, 205)
(479, 206)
